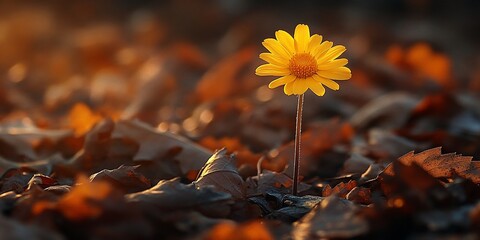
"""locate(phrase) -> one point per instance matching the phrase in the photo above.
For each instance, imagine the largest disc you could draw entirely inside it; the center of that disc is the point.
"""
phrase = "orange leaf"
(247, 231)
(81, 118)
(441, 165)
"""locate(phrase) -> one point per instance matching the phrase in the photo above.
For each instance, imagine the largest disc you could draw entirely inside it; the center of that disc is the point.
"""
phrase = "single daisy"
(303, 62)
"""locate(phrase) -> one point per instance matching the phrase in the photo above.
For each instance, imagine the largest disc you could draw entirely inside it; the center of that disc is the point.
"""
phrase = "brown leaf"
(94, 151)
(125, 177)
(42, 166)
(268, 180)
(171, 195)
(332, 218)
(154, 145)
(441, 165)
(221, 172)
(412, 189)
(41, 181)
(81, 202)
(15, 180)
(340, 190)
(360, 195)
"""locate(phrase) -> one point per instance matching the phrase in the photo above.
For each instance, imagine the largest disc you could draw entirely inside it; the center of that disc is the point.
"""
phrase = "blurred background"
(188, 66)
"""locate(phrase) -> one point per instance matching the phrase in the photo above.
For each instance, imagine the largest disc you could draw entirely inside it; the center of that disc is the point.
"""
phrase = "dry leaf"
(171, 195)
(80, 202)
(221, 172)
(41, 181)
(269, 180)
(441, 165)
(124, 177)
(360, 195)
(332, 218)
(340, 190)
(154, 145)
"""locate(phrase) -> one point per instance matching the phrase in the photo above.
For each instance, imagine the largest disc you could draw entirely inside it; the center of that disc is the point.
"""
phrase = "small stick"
(298, 134)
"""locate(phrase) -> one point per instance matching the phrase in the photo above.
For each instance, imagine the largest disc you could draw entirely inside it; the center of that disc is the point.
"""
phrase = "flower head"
(303, 62)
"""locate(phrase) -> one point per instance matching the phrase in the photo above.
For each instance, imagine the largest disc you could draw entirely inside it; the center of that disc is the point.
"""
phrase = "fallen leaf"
(171, 195)
(340, 190)
(290, 207)
(221, 172)
(332, 218)
(410, 187)
(124, 177)
(15, 180)
(154, 145)
(80, 202)
(41, 181)
(95, 149)
(81, 118)
(360, 195)
(441, 165)
(268, 180)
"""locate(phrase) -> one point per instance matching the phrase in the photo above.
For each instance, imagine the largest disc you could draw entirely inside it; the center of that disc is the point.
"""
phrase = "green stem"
(298, 135)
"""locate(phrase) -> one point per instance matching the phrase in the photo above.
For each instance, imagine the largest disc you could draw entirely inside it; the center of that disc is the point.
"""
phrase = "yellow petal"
(281, 81)
(315, 41)
(271, 70)
(288, 88)
(341, 73)
(327, 82)
(333, 64)
(332, 53)
(300, 86)
(276, 48)
(286, 40)
(301, 37)
(273, 59)
(323, 48)
(316, 87)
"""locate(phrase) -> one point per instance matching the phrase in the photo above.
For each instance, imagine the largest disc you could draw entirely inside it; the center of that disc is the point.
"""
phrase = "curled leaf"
(220, 171)
(332, 218)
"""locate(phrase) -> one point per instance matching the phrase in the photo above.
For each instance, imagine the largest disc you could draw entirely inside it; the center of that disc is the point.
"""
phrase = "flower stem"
(298, 134)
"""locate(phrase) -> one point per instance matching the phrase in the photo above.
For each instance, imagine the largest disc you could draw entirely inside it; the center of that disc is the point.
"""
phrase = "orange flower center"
(303, 65)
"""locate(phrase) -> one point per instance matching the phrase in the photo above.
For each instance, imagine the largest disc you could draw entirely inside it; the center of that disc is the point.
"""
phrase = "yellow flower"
(303, 62)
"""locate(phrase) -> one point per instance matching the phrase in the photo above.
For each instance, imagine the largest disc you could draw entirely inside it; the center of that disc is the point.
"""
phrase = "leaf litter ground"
(149, 132)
